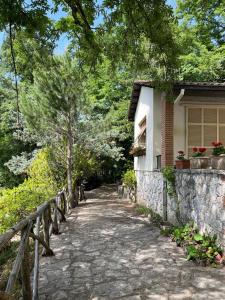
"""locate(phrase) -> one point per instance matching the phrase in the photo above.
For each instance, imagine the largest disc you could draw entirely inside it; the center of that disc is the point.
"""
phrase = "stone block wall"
(150, 190)
(200, 195)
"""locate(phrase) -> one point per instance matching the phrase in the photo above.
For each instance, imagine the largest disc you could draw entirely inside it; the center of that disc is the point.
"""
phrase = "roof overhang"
(195, 89)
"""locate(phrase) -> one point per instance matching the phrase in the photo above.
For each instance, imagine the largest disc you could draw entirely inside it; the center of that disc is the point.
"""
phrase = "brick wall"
(167, 125)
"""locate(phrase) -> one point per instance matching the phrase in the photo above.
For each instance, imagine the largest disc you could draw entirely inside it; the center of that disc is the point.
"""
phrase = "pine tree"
(53, 107)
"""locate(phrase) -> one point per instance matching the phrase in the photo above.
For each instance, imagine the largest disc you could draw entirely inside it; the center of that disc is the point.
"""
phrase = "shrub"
(200, 248)
(19, 201)
(129, 179)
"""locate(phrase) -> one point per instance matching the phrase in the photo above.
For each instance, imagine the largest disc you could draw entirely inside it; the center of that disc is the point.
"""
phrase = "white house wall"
(179, 129)
(145, 108)
(157, 126)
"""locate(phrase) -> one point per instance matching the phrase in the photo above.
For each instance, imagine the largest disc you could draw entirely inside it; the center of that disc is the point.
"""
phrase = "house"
(195, 118)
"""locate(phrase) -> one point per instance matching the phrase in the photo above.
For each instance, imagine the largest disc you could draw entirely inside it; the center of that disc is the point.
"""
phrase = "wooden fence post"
(25, 272)
(63, 203)
(46, 220)
(36, 261)
(55, 225)
(20, 254)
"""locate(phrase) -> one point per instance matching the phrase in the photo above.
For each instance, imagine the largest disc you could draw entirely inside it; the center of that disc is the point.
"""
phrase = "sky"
(63, 41)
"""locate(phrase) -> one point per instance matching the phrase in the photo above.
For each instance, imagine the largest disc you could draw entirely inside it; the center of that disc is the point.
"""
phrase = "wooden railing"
(39, 226)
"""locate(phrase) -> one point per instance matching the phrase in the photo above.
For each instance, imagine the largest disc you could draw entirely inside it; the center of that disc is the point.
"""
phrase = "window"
(204, 125)
(141, 139)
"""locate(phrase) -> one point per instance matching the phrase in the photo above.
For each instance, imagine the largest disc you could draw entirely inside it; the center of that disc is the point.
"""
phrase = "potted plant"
(182, 162)
(138, 150)
(199, 160)
(218, 156)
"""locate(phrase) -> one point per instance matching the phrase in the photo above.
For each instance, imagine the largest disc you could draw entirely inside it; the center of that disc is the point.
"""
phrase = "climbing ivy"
(169, 175)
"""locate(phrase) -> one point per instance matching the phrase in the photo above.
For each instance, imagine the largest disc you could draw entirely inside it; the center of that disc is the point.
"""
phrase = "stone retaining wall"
(150, 190)
(200, 195)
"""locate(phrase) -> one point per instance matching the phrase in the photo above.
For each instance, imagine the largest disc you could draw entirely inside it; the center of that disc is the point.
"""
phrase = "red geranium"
(195, 149)
(181, 152)
(202, 149)
(217, 144)
(218, 148)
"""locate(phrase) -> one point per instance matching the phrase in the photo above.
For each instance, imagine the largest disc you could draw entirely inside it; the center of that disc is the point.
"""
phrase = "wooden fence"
(39, 226)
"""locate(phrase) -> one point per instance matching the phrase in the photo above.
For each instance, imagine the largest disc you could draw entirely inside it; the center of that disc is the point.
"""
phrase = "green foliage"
(137, 33)
(8, 252)
(143, 210)
(218, 148)
(86, 164)
(207, 17)
(17, 202)
(10, 144)
(201, 34)
(169, 175)
(148, 212)
(129, 179)
(200, 248)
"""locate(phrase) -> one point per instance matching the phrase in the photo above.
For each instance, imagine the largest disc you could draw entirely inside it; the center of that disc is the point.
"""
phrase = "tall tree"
(201, 34)
(139, 32)
(52, 107)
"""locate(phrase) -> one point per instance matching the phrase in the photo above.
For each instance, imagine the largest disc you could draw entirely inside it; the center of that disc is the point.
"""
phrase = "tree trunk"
(72, 199)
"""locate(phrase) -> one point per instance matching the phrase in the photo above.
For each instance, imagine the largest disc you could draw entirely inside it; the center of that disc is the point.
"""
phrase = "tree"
(207, 17)
(201, 33)
(52, 107)
(108, 92)
(138, 32)
(10, 144)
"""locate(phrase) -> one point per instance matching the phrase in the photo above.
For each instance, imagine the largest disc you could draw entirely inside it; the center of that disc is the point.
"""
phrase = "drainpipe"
(179, 97)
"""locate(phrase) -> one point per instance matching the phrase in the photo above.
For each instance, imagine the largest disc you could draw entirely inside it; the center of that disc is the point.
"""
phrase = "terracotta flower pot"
(218, 162)
(183, 164)
(199, 162)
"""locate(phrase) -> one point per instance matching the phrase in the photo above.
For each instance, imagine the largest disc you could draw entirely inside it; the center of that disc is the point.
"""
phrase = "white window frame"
(202, 107)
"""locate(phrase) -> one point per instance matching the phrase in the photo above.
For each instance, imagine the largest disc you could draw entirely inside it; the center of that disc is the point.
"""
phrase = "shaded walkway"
(106, 251)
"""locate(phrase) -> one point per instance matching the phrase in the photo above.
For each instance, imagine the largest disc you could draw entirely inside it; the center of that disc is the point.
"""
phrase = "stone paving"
(106, 251)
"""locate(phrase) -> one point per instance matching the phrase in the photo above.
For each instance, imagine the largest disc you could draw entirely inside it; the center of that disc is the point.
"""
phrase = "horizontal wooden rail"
(39, 226)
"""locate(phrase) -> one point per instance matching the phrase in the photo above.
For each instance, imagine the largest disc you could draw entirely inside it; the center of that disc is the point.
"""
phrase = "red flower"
(217, 144)
(181, 152)
(195, 149)
(202, 149)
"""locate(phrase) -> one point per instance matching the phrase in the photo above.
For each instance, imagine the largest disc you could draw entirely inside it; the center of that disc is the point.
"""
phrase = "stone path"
(106, 251)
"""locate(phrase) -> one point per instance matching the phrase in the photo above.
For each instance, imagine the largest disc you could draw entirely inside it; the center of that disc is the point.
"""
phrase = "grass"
(7, 258)
(148, 212)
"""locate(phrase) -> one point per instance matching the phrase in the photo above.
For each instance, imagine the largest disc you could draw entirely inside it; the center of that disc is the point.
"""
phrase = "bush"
(18, 202)
(129, 179)
(200, 248)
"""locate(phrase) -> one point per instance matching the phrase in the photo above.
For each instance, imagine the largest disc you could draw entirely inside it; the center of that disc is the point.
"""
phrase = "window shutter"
(222, 115)
(194, 135)
(210, 115)
(194, 115)
(210, 134)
